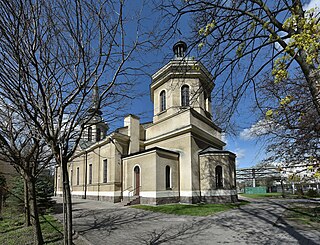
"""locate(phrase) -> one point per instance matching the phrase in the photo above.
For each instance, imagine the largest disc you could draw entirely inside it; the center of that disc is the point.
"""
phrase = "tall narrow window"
(185, 95)
(168, 178)
(90, 173)
(207, 100)
(105, 171)
(219, 180)
(71, 175)
(163, 100)
(78, 176)
(89, 134)
(98, 134)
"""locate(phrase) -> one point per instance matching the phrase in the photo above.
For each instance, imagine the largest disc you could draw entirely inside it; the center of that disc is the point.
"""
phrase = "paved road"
(257, 223)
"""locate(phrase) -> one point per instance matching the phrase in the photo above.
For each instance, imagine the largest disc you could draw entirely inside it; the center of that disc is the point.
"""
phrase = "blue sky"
(249, 149)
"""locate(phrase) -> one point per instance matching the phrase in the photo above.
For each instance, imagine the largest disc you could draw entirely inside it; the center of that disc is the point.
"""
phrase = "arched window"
(207, 100)
(185, 95)
(89, 134)
(98, 134)
(219, 180)
(163, 100)
(168, 178)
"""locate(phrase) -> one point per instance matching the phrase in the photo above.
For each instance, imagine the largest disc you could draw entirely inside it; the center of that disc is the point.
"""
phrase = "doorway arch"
(136, 172)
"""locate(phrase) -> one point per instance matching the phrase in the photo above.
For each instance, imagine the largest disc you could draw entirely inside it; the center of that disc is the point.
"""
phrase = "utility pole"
(253, 177)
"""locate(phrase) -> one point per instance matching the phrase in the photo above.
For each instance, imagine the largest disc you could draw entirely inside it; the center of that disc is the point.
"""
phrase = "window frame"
(89, 134)
(78, 175)
(163, 101)
(168, 180)
(90, 174)
(219, 176)
(98, 134)
(71, 177)
(185, 95)
(105, 171)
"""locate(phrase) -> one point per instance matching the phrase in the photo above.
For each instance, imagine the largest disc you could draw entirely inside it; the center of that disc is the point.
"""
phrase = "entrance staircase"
(134, 200)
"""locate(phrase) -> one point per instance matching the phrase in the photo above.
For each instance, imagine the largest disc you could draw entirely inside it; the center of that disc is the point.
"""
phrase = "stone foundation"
(159, 200)
(165, 200)
(220, 199)
(188, 200)
(113, 199)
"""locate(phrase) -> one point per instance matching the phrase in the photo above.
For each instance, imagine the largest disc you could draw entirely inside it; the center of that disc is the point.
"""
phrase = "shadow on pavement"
(173, 233)
(258, 223)
(269, 215)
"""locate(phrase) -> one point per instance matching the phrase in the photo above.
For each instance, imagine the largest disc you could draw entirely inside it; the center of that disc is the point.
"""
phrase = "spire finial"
(95, 96)
(95, 108)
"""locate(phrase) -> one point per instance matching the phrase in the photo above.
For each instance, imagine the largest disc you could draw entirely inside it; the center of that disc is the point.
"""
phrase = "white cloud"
(262, 127)
(224, 138)
(281, 34)
(240, 153)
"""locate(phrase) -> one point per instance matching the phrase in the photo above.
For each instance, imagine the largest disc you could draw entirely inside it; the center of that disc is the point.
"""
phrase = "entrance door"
(136, 181)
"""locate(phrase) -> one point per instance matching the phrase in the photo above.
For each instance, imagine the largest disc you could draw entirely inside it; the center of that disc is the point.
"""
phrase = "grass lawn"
(262, 195)
(268, 195)
(304, 213)
(191, 209)
(13, 232)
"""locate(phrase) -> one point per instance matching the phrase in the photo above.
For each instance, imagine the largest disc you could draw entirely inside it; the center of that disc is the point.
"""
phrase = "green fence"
(255, 190)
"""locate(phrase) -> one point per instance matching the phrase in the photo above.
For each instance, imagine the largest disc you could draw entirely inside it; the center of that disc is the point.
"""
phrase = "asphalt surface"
(260, 222)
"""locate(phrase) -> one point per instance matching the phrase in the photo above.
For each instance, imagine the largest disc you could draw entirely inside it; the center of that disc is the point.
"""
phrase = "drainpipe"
(199, 176)
(121, 177)
(85, 176)
(99, 162)
(56, 180)
(179, 184)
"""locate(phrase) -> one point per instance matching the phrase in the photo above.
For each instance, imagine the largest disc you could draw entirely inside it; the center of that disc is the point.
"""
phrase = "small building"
(178, 157)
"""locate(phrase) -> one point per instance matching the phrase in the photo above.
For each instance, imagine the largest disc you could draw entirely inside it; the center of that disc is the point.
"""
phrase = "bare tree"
(3, 184)
(293, 128)
(29, 155)
(242, 41)
(52, 56)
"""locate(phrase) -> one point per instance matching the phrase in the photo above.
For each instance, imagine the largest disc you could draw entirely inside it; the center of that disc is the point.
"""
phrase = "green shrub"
(312, 193)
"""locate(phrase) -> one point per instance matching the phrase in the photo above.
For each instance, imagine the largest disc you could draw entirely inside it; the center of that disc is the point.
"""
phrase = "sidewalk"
(260, 222)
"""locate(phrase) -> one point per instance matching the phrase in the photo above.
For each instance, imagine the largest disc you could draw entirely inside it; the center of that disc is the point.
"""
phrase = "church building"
(178, 157)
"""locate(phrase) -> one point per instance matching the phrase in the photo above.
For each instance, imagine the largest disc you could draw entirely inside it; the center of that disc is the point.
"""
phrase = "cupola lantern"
(180, 49)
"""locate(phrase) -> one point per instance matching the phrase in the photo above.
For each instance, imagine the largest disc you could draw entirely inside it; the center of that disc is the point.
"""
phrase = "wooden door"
(137, 181)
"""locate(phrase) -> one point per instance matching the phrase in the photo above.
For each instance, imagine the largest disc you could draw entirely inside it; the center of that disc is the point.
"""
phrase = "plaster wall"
(182, 145)
(208, 163)
(164, 160)
(147, 165)
(96, 157)
(173, 97)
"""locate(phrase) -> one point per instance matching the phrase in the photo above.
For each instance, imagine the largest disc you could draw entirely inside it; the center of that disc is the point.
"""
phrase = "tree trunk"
(1, 201)
(67, 206)
(282, 188)
(37, 233)
(27, 220)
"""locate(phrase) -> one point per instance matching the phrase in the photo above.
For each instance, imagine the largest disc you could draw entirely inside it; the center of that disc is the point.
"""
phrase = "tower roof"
(95, 102)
